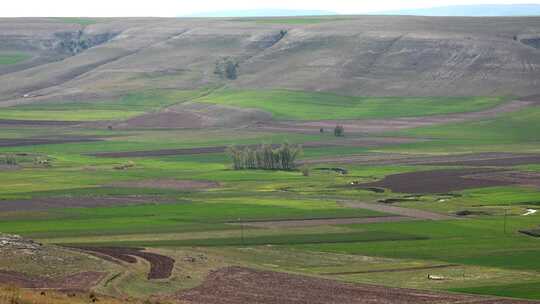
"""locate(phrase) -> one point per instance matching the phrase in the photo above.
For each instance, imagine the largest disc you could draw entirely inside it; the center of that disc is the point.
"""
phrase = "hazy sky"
(170, 8)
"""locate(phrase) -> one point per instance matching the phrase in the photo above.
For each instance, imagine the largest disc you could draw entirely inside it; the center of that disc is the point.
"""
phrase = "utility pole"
(505, 215)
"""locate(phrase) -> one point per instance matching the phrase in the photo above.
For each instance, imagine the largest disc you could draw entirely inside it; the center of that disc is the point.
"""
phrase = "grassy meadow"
(295, 105)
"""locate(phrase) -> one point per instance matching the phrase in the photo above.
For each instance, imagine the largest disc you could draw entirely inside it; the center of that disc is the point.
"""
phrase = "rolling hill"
(86, 59)
(263, 13)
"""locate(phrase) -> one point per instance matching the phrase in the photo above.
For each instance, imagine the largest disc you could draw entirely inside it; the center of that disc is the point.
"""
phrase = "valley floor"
(440, 203)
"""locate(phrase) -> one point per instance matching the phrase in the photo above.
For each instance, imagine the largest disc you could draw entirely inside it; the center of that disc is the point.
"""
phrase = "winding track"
(406, 212)
(399, 214)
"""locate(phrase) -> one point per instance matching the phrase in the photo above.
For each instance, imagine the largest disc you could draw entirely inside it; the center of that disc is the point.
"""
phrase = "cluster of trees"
(227, 68)
(9, 160)
(264, 157)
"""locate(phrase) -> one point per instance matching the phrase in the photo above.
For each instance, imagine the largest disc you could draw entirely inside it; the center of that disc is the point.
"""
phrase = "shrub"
(339, 131)
(124, 166)
(45, 162)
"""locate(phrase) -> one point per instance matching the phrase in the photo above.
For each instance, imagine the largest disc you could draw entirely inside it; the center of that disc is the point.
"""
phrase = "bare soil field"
(240, 285)
(322, 222)
(166, 119)
(496, 162)
(160, 266)
(436, 181)
(191, 115)
(475, 159)
(16, 122)
(163, 152)
(392, 124)
(39, 204)
(168, 184)
(44, 141)
(518, 177)
(81, 281)
(535, 232)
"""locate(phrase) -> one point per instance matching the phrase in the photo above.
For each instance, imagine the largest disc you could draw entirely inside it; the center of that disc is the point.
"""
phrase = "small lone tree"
(339, 131)
(231, 70)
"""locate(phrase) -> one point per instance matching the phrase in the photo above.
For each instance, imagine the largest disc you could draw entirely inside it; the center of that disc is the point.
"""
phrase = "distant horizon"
(235, 8)
(487, 10)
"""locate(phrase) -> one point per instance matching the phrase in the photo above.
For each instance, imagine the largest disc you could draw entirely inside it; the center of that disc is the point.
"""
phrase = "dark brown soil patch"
(531, 232)
(475, 159)
(470, 213)
(337, 170)
(160, 266)
(80, 281)
(514, 177)
(496, 162)
(163, 152)
(358, 142)
(40, 204)
(238, 285)
(435, 181)
(15, 122)
(168, 184)
(396, 200)
(43, 141)
(375, 189)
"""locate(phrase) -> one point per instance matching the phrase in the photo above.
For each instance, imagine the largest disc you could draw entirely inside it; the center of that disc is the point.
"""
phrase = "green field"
(295, 105)
(525, 290)
(478, 254)
(131, 105)
(511, 128)
(212, 214)
(8, 59)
